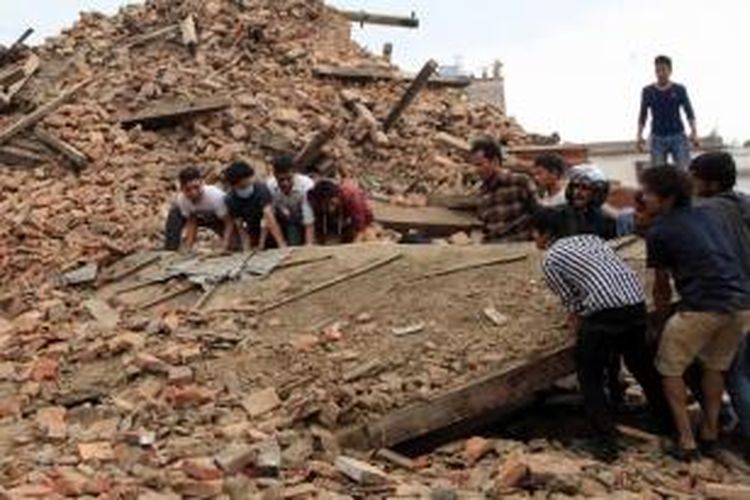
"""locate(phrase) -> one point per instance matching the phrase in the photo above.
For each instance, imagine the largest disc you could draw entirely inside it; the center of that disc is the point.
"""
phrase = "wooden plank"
(163, 113)
(145, 38)
(436, 222)
(373, 74)
(727, 491)
(374, 127)
(453, 141)
(8, 54)
(189, 33)
(495, 394)
(470, 266)
(410, 94)
(453, 201)
(38, 114)
(364, 17)
(73, 155)
(15, 156)
(28, 69)
(311, 152)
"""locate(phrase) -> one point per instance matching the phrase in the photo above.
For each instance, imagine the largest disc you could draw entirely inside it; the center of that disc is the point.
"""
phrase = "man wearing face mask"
(250, 205)
(291, 205)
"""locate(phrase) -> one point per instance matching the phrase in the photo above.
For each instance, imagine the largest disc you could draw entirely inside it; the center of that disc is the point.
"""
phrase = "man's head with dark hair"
(664, 189)
(239, 176)
(547, 226)
(191, 183)
(663, 65)
(487, 156)
(713, 173)
(549, 169)
(325, 195)
(283, 171)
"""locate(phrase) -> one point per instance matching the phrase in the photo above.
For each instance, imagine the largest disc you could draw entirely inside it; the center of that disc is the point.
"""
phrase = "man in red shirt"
(341, 209)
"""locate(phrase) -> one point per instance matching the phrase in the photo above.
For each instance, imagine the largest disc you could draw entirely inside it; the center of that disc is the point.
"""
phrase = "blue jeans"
(676, 145)
(738, 386)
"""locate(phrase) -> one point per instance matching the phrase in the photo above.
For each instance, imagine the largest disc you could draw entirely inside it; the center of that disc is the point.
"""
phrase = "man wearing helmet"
(585, 212)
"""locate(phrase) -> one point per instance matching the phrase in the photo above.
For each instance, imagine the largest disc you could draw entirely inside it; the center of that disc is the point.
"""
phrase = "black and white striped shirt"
(589, 276)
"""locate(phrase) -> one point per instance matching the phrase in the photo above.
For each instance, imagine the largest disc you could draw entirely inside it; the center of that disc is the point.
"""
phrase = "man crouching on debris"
(507, 199)
(606, 303)
(250, 206)
(290, 203)
(196, 206)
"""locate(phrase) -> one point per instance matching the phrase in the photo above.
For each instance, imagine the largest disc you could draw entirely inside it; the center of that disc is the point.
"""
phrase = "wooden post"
(495, 394)
(388, 51)
(312, 149)
(363, 17)
(4, 56)
(39, 113)
(411, 93)
(189, 33)
(73, 155)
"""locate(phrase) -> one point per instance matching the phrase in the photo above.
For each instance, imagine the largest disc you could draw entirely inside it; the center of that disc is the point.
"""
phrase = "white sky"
(572, 66)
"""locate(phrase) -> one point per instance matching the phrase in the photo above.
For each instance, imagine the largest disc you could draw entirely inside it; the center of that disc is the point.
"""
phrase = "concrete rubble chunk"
(236, 457)
(261, 402)
(105, 315)
(360, 472)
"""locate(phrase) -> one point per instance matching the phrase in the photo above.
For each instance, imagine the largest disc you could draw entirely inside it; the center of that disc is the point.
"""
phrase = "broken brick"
(476, 448)
(99, 450)
(202, 469)
(187, 396)
(51, 421)
(261, 402)
(179, 375)
(44, 369)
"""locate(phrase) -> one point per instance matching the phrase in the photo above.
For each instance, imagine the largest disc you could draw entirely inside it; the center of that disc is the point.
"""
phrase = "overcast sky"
(572, 66)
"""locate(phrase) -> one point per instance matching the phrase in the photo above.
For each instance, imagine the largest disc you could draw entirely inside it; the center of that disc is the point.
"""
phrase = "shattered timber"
(133, 373)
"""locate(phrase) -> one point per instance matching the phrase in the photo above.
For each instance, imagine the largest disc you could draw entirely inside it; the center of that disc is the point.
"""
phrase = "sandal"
(708, 447)
(685, 455)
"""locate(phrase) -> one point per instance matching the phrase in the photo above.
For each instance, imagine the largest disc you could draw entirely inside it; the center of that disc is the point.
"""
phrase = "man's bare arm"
(309, 234)
(228, 233)
(273, 226)
(191, 233)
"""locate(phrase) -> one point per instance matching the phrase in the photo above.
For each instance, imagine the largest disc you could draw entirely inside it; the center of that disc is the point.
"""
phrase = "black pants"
(176, 223)
(603, 336)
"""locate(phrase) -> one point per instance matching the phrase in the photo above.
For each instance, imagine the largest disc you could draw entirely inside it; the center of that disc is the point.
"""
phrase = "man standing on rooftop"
(665, 99)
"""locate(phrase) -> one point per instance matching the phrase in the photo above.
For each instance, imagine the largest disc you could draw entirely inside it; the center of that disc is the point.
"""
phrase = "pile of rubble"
(243, 76)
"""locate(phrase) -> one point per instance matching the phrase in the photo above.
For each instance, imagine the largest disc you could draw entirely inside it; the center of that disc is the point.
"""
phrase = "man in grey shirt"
(714, 176)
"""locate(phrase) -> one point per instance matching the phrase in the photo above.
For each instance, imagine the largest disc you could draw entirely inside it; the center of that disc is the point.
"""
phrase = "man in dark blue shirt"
(690, 245)
(665, 99)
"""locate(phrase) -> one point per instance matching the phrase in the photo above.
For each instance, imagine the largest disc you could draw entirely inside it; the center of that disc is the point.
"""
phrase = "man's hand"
(640, 144)
(694, 140)
(574, 322)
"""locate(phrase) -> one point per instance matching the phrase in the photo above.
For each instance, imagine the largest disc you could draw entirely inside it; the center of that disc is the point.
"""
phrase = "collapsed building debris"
(145, 374)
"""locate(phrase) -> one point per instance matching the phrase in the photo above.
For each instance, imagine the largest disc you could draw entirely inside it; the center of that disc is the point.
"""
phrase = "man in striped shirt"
(606, 303)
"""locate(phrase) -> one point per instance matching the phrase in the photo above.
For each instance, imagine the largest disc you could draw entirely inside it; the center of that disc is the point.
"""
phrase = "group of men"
(697, 230)
(287, 209)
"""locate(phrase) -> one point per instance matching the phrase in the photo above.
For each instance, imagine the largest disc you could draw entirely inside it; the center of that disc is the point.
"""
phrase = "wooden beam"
(452, 141)
(410, 94)
(166, 113)
(374, 129)
(436, 222)
(471, 266)
(27, 71)
(76, 158)
(453, 201)
(7, 54)
(12, 155)
(42, 111)
(364, 17)
(311, 152)
(374, 74)
(494, 394)
(145, 38)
